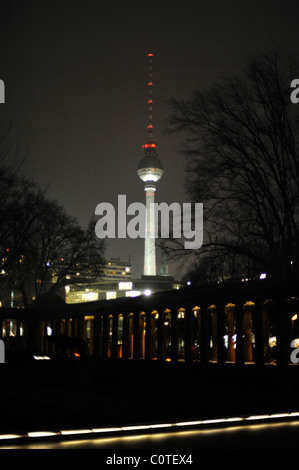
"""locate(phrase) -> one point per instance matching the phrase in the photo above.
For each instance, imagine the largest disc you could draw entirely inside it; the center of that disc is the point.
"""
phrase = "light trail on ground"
(146, 434)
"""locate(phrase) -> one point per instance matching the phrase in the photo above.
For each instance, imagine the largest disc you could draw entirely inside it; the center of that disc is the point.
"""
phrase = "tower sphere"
(150, 168)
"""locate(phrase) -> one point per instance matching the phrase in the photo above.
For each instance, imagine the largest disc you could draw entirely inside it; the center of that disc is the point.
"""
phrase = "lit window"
(125, 285)
(90, 296)
(133, 293)
(110, 295)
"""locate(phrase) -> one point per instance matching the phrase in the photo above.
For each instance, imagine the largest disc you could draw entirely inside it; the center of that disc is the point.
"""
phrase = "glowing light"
(110, 295)
(147, 292)
(263, 276)
(106, 430)
(76, 354)
(75, 431)
(150, 83)
(135, 428)
(188, 423)
(258, 417)
(42, 434)
(41, 358)
(201, 424)
(213, 421)
(230, 420)
(90, 296)
(150, 55)
(279, 415)
(10, 436)
(158, 426)
(49, 331)
(133, 293)
(145, 146)
(122, 285)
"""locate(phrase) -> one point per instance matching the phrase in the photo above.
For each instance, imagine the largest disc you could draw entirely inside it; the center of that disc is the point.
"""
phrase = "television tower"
(150, 170)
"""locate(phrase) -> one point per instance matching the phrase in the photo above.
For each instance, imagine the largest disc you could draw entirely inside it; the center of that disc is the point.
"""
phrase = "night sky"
(76, 75)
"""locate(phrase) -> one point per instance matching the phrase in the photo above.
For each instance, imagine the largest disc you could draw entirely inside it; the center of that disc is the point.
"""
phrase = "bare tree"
(241, 144)
(41, 244)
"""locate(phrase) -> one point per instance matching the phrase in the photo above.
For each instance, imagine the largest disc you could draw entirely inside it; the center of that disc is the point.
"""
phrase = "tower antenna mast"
(150, 98)
(150, 129)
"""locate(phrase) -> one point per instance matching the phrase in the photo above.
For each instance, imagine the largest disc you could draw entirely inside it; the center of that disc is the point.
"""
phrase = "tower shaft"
(150, 242)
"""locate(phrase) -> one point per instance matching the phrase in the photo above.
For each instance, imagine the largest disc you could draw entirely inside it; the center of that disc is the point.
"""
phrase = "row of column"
(148, 335)
(153, 334)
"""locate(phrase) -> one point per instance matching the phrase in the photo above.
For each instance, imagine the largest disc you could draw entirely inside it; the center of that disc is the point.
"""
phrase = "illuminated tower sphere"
(150, 170)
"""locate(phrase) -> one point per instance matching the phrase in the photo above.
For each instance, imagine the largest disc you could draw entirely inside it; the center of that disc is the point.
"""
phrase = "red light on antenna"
(150, 126)
(150, 101)
(150, 83)
(145, 146)
(150, 55)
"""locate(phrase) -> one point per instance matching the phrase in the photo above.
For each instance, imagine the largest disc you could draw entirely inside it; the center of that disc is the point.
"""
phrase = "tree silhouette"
(41, 245)
(241, 145)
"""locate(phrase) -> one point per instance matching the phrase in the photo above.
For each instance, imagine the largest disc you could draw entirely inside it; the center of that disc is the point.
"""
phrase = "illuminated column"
(266, 329)
(230, 310)
(105, 342)
(161, 335)
(114, 347)
(213, 311)
(247, 331)
(174, 335)
(188, 334)
(142, 335)
(240, 333)
(126, 338)
(150, 242)
(148, 334)
(257, 313)
(137, 336)
(221, 353)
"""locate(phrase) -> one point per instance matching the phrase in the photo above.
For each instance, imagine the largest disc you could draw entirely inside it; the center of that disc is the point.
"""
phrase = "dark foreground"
(65, 394)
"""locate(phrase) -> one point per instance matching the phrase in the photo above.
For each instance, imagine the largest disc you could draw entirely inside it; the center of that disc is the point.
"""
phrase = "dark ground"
(61, 394)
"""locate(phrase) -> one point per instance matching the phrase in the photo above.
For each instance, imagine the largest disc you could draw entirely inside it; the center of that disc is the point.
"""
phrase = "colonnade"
(165, 328)
(223, 332)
